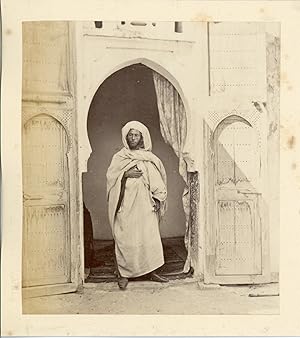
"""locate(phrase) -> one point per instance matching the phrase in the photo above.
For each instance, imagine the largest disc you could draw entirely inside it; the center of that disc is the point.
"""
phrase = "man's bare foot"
(122, 282)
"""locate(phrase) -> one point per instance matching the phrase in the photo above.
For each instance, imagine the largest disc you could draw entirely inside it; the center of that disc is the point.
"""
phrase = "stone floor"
(103, 268)
(186, 296)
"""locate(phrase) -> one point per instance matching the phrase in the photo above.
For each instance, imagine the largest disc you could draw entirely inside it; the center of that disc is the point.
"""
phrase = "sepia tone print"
(150, 167)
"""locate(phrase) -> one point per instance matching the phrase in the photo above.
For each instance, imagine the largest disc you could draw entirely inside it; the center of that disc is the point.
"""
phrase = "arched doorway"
(128, 94)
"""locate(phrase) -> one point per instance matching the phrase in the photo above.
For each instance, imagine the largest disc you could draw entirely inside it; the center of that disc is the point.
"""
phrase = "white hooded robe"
(135, 225)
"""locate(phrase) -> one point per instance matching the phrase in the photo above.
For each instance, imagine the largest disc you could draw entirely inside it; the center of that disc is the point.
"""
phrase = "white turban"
(142, 129)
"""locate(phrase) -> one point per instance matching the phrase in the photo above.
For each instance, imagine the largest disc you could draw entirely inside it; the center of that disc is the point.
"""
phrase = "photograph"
(150, 167)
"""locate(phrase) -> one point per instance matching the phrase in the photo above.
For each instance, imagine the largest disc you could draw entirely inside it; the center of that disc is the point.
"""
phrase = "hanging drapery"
(173, 127)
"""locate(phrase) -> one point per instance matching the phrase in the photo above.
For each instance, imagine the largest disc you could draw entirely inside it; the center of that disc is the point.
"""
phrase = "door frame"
(257, 120)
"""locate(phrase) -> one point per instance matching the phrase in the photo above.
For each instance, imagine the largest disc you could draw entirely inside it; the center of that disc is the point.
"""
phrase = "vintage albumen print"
(150, 159)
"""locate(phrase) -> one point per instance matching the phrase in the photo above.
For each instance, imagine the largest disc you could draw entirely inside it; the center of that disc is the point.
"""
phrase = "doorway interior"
(128, 94)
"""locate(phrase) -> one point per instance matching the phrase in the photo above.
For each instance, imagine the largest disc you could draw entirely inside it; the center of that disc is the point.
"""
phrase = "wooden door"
(238, 223)
(46, 199)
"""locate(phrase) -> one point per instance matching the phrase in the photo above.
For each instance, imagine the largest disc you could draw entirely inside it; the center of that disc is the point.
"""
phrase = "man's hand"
(157, 205)
(133, 173)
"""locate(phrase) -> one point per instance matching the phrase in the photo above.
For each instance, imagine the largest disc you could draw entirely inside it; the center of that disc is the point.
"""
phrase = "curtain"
(173, 127)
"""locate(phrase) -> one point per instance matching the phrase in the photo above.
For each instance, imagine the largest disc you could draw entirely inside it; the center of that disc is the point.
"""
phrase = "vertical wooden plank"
(246, 235)
(247, 155)
(225, 156)
(46, 240)
(225, 245)
(237, 222)
(45, 246)
(49, 83)
(45, 57)
(44, 160)
(237, 60)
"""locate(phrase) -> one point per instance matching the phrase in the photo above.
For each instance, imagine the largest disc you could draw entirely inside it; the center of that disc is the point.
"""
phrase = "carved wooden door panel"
(238, 212)
(46, 197)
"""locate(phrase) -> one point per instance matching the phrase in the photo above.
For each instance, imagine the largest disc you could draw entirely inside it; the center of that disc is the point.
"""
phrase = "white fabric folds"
(135, 225)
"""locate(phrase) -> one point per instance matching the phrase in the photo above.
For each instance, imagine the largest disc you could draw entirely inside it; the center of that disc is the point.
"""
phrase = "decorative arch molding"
(233, 118)
(62, 116)
(85, 142)
(148, 63)
(249, 114)
(51, 119)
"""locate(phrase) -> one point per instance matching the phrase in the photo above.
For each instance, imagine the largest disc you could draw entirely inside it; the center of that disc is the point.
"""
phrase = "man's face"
(133, 138)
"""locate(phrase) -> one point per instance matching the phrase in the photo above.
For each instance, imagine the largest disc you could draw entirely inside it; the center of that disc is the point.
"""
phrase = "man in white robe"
(137, 192)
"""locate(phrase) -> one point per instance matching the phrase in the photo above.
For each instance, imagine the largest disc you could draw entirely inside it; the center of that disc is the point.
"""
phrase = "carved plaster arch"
(95, 86)
(250, 114)
(45, 113)
(237, 117)
(247, 112)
